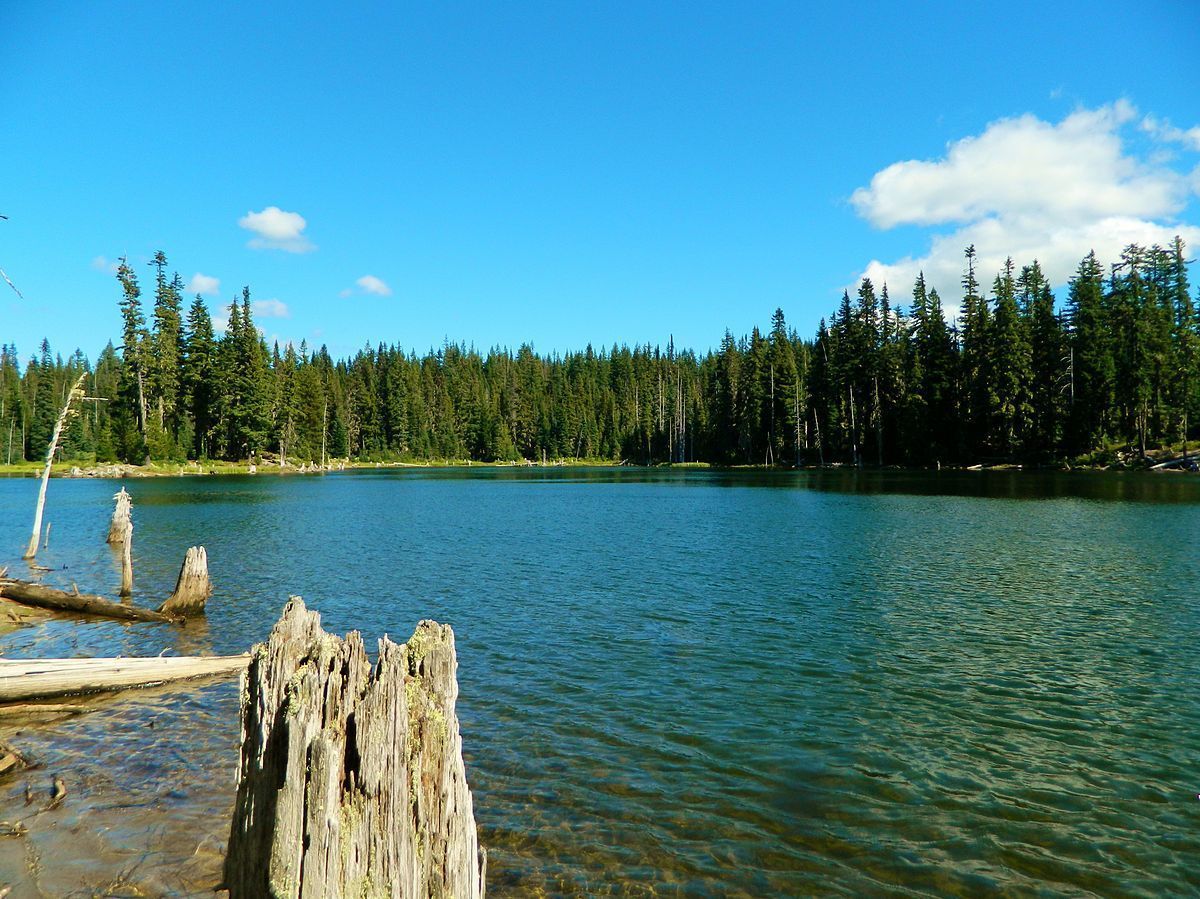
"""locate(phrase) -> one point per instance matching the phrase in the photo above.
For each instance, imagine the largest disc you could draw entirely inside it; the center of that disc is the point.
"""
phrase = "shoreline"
(120, 470)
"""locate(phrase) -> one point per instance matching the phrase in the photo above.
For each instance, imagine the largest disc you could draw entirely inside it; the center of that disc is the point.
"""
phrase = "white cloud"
(270, 309)
(103, 264)
(205, 284)
(220, 322)
(1163, 130)
(1029, 189)
(371, 284)
(277, 230)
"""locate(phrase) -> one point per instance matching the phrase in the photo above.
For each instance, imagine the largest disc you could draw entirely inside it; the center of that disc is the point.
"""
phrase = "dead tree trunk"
(120, 534)
(79, 603)
(63, 417)
(351, 781)
(127, 560)
(192, 588)
(122, 518)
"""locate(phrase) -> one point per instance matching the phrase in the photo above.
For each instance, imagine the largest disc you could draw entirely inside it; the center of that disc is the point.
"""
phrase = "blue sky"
(566, 173)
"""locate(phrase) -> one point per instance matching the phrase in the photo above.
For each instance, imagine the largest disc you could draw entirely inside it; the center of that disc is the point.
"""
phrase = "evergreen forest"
(1109, 371)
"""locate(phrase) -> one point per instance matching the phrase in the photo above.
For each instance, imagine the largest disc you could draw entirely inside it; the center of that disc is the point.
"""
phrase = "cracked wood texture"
(192, 588)
(351, 781)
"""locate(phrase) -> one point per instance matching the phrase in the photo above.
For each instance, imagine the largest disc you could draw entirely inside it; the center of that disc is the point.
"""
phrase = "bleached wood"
(23, 680)
(127, 560)
(351, 781)
(193, 586)
(63, 417)
(122, 518)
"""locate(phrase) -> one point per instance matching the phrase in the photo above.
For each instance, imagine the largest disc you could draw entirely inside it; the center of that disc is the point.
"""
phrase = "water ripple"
(688, 683)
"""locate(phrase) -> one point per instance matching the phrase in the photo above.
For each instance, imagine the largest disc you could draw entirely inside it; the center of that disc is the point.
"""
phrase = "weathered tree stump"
(193, 588)
(122, 518)
(351, 781)
(120, 534)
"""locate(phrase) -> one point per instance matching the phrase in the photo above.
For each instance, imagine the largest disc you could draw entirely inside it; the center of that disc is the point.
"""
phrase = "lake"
(677, 682)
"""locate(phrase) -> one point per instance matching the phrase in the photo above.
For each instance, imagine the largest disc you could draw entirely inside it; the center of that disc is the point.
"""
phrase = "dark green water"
(685, 683)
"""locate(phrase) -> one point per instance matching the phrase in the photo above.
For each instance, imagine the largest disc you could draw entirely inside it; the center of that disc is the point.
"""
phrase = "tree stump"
(192, 588)
(351, 780)
(122, 518)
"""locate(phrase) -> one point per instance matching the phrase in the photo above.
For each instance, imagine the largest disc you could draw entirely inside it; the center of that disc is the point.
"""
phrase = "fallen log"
(23, 680)
(42, 710)
(80, 603)
(193, 587)
(351, 780)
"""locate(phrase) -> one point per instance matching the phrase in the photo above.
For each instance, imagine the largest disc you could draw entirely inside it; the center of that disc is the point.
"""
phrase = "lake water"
(677, 682)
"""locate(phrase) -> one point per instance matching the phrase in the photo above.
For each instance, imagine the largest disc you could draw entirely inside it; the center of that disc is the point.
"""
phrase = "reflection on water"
(681, 683)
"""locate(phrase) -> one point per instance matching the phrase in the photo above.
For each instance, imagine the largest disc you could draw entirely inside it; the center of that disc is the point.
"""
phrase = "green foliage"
(1018, 382)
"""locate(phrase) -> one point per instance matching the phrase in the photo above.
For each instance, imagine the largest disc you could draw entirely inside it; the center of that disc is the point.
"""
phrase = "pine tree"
(932, 419)
(728, 397)
(199, 383)
(1185, 376)
(1091, 363)
(133, 385)
(41, 426)
(1009, 370)
(163, 362)
(974, 340)
(1049, 360)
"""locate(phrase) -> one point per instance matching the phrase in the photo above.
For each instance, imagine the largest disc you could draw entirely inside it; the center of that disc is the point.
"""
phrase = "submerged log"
(122, 518)
(21, 681)
(351, 780)
(193, 588)
(11, 760)
(80, 603)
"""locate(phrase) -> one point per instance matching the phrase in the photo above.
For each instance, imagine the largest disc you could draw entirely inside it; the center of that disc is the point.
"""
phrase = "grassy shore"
(1112, 458)
(84, 469)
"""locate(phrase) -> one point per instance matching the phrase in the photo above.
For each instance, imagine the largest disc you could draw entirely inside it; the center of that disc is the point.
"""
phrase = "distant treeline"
(1014, 379)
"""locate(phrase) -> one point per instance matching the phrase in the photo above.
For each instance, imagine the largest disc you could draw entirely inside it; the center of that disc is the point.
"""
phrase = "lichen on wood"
(351, 780)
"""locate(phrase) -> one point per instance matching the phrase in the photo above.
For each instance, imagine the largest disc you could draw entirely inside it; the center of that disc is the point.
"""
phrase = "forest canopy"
(1005, 374)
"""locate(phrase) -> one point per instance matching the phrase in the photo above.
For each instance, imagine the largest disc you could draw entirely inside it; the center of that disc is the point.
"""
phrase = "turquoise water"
(684, 683)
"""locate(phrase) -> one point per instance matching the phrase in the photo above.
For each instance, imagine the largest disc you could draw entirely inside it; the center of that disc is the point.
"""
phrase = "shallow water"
(678, 683)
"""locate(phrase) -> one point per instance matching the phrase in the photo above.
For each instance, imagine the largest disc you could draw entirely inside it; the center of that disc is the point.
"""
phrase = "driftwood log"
(41, 678)
(42, 597)
(192, 588)
(351, 780)
(122, 518)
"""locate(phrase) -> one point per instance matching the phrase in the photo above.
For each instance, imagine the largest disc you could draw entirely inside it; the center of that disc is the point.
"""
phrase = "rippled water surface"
(677, 683)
